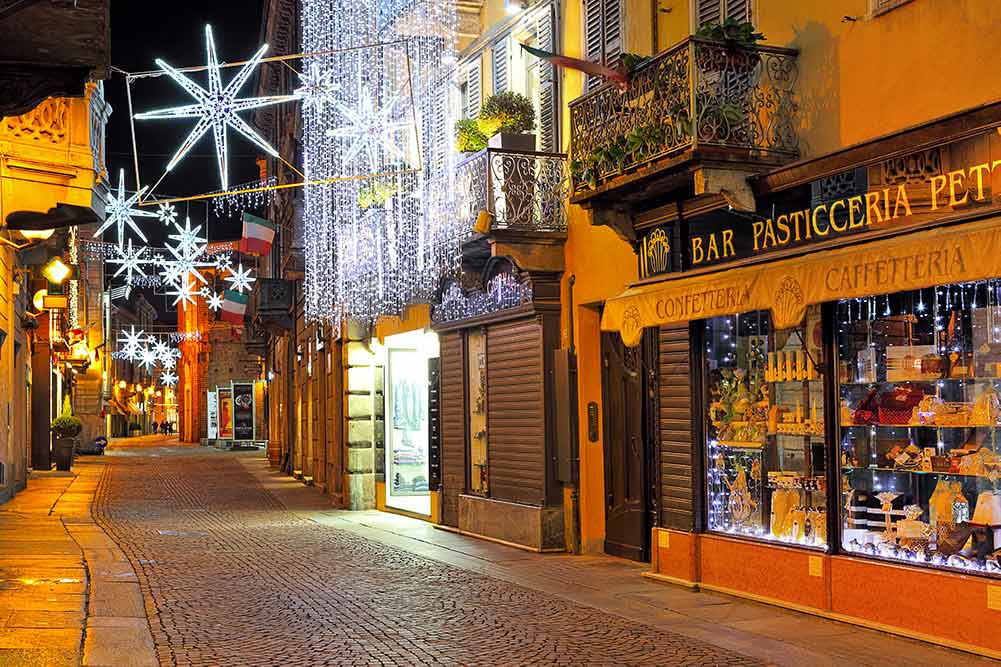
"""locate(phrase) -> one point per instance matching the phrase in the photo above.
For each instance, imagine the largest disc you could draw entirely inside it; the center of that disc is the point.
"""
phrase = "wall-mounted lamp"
(56, 271)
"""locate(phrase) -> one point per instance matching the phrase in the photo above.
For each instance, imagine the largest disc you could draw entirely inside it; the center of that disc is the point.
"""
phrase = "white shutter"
(499, 56)
(548, 117)
(473, 101)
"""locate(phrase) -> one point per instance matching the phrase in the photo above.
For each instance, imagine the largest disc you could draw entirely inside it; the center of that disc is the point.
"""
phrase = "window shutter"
(738, 9)
(594, 48)
(613, 31)
(500, 64)
(473, 101)
(709, 11)
(548, 117)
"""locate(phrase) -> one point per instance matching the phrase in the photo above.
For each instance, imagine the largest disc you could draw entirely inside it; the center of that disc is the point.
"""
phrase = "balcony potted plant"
(469, 137)
(508, 119)
(65, 428)
(727, 74)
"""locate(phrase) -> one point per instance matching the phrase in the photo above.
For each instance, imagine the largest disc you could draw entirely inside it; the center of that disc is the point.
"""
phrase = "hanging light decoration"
(376, 114)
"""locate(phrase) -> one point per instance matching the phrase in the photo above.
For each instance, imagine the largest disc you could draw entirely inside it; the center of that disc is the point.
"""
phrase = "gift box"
(897, 406)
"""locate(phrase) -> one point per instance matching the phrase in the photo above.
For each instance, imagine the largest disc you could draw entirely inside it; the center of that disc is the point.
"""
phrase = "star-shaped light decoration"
(217, 108)
(161, 349)
(169, 363)
(131, 342)
(131, 261)
(215, 302)
(187, 238)
(168, 379)
(223, 261)
(119, 212)
(240, 279)
(316, 88)
(167, 214)
(370, 129)
(147, 358)
(183, 293)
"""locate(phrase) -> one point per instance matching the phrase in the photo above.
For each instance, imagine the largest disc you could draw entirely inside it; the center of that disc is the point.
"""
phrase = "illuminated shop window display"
(919, 375)
(766, 457)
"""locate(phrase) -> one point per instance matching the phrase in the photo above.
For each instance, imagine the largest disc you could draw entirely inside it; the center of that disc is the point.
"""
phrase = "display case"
(919, 376)
(765, 446)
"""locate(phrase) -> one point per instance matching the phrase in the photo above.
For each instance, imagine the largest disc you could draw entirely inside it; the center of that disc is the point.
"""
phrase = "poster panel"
(243, 410)
(225, 397)
(213, 415)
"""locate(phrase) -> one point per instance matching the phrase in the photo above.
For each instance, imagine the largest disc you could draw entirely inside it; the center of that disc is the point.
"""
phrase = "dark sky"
(175, 32)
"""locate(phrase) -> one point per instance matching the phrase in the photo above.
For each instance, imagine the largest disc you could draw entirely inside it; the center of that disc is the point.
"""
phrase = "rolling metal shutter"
(453, 425)
(516, 419)
(678, 449)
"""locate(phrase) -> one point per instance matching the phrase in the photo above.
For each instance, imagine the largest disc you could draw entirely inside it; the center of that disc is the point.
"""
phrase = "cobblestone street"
(230, 577)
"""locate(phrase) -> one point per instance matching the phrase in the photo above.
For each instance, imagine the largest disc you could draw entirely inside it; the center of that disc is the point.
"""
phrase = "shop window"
(765, 452)
(919, 375)
(476, 380)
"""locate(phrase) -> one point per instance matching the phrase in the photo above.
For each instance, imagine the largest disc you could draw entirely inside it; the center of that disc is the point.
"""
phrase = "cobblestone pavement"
(230, 577)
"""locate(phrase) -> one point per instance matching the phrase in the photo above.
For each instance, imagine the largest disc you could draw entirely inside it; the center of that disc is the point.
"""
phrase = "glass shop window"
(476, 381)
(920, 376)
(766, 458)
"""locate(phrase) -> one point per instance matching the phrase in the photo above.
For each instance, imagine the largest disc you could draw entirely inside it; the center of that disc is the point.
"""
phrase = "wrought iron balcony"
(697, 95)
(521, 190)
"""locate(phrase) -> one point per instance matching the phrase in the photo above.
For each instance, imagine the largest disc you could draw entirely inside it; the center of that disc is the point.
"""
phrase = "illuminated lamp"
(514, 6)
(36, 234)
(122, 384)
(39, 299)
(56, 271)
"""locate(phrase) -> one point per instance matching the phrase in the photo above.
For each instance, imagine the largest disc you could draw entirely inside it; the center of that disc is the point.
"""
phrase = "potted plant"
(508, 119)
(731, 32)
(65, 428)
(469, 137)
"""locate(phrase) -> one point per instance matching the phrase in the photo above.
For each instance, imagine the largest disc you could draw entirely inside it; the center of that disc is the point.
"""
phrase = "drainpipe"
(575, 485)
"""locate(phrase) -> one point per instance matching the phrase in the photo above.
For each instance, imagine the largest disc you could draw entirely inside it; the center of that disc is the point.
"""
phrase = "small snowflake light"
(316, 88)
(370, 129)
(217, 108)
(167, 214)
(168, 379)
(183, 293)
(169, 363)
(215, 302)
(161, 349)
(147, 358)
(119, 212)
(131, 341)
(240, 279)
(223, 261)
(131, 261)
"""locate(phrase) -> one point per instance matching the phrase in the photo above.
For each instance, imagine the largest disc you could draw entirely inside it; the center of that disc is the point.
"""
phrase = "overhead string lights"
(376, 112)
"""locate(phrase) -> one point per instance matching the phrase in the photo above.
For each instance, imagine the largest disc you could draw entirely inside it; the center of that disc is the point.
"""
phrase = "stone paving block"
(45, 619)
(116, 599)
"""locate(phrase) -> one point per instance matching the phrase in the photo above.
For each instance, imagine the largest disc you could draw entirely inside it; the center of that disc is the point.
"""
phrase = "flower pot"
(62, 452)
(512, 141)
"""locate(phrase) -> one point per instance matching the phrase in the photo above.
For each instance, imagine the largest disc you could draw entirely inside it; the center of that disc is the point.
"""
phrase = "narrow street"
(184, 555)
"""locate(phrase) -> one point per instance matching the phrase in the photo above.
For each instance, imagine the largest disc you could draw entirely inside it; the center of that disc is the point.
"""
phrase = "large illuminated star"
(316, 87)
(240, 278)
(369, 129)
(131, 261)
(119, 212)
(131, 342)
(187, 238)
(215, 302)
(185, 292)
(217, 108)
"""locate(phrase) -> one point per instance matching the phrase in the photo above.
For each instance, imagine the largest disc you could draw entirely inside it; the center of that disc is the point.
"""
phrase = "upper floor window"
(602, 34)
(717, 11)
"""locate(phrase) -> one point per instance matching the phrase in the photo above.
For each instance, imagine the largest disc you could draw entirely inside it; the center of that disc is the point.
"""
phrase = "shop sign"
(914, 188)
(243, 411)
(213, 415)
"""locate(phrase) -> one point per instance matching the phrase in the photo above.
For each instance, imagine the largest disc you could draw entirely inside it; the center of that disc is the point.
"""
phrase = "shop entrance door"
(626, 383)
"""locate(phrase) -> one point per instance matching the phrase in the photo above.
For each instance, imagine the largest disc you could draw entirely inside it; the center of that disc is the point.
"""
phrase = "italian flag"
(258, 234)
(615, 76)
(234, 306)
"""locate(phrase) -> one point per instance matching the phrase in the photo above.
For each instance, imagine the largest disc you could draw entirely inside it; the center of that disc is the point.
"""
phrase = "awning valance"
(967, 252)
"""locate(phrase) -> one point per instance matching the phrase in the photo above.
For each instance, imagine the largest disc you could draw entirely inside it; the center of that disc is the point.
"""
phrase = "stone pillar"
(364, 427)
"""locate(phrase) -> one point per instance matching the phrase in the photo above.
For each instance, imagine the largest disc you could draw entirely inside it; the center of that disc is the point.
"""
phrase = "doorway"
(628, 406)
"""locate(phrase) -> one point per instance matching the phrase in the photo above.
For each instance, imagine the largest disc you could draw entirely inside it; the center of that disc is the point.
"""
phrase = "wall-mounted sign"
(212, 410)
(243, 411)
(225, 397)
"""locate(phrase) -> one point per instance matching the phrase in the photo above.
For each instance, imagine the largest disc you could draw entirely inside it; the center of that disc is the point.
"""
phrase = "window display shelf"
(891, 383)
(911, 472)
(927, 426)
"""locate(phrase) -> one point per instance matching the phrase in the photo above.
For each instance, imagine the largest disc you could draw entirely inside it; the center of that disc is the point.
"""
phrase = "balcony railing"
(523, 190)
(697, 93)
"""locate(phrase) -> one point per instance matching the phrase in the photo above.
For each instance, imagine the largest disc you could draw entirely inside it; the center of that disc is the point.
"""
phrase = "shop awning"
(961, 253)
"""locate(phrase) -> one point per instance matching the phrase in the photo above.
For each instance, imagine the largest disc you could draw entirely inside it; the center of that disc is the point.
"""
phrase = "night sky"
(175, 32)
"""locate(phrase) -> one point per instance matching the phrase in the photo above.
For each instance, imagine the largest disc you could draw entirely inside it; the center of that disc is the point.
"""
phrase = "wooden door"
(626, 385)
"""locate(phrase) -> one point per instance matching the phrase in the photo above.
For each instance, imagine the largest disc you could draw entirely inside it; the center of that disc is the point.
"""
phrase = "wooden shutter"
(708, 11)
(453, 425)
(548, 99)
(602, 34)
(738, 9)
(516, 419)
(716, 11)
(473, 89)
(499, 58)
(678, 449)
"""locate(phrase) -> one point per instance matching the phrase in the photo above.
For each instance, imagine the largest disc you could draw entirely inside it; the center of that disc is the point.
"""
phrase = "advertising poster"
(243, 410)
(225, 398)
(213, 415)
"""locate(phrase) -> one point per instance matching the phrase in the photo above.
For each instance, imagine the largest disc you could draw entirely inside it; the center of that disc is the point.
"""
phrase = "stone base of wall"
(535, 527)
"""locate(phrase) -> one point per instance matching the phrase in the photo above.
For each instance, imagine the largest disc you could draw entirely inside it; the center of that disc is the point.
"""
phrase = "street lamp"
(56, 271)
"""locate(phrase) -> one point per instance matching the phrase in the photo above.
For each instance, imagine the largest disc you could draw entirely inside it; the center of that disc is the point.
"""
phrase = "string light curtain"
(376, 111)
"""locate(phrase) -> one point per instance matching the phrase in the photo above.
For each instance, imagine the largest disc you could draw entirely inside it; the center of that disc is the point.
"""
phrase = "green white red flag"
(234, 306)
(258, 234)
(615, 76)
